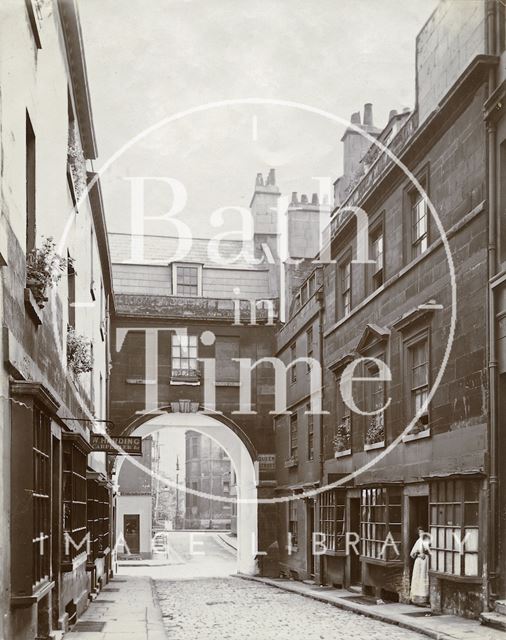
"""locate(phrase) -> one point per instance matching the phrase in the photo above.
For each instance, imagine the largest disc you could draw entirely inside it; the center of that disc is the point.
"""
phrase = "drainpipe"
(320, 298)
(492, 356)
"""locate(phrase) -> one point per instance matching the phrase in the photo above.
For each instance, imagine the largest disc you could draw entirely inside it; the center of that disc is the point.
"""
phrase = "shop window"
(98, 518)
(41, 496)
(74, 500)
(293, 524)
(381, 523)
(332, 510)
(454, 527)
(310, 432)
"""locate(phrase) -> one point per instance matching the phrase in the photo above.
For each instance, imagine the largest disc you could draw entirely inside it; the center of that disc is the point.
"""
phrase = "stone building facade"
(174, 316)
(420, 448)
(55, 490)
(208, 469)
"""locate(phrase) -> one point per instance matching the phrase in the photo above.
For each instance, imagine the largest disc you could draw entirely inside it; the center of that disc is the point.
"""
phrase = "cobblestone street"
(221, 608)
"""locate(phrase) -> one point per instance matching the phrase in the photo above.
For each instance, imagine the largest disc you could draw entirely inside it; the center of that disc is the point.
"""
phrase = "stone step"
(500, 607)
(493, 619)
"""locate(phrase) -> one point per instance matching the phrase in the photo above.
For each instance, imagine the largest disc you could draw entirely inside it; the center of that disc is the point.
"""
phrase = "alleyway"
(221, 608)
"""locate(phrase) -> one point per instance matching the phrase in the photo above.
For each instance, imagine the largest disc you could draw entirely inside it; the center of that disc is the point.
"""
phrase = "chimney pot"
(355, 118)
(392, 114)
(303, 199)
(294, 198)
(368, 114)
(271, 178)
(259, 180)
(314, 199)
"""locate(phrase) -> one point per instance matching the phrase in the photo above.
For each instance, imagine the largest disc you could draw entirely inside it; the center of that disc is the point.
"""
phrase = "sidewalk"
(126, 608)
(439, 627)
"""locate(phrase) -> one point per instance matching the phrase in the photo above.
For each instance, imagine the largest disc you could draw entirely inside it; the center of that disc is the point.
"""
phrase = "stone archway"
(242, 454)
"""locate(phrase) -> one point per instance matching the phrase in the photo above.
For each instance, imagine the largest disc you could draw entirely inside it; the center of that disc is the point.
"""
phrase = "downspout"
(321, 299)
(492, 358)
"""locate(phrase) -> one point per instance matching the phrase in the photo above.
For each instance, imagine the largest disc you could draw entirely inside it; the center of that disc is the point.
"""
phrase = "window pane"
(471, 564)
(471, 540)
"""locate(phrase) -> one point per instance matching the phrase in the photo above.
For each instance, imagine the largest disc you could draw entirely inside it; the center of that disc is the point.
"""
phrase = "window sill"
(416, 436)
(335, 554)
(38, 594)
(342, 454)
(139, 381)
(227, 384)
(382, 563)
(374, 445)
(452, 578)
(33, 309)
(291, 462)
(193, 382)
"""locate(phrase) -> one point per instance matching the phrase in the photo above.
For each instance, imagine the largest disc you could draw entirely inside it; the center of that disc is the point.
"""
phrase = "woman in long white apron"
(420, 579)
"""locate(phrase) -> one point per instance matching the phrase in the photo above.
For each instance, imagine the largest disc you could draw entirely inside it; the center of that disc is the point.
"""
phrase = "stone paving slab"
(441, 627)
(132, 612)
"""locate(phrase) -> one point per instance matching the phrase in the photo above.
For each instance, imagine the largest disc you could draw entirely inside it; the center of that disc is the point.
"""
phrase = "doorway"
(418, 516)
(131, 532)
(355, 564)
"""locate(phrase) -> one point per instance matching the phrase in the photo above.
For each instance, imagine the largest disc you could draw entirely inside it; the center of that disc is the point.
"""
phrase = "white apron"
(420, 579)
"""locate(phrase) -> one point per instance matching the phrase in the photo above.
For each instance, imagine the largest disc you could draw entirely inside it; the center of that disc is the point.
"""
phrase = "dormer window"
(187, 280)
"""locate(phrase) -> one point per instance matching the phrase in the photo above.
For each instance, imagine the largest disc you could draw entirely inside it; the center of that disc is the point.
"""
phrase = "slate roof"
(161, 249)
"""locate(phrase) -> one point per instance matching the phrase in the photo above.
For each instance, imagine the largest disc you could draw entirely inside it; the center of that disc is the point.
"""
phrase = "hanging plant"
(79, 356)
(77, 162)
(44, 268)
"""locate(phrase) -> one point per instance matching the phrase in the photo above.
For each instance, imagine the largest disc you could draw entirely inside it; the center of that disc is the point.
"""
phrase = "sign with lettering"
(126, 444)
(267, 461)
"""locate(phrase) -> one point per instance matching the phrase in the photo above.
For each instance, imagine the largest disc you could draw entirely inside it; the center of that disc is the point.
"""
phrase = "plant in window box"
(79, 356)
(342, 436)
(375, 430)
(44, 268)
(422, 424)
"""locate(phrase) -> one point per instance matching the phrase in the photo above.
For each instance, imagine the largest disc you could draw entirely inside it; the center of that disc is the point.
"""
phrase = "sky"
(149, 60)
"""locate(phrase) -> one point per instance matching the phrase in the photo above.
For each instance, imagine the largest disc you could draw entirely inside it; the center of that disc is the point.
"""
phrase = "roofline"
(99, 223)
(71, 27)
(154, 235)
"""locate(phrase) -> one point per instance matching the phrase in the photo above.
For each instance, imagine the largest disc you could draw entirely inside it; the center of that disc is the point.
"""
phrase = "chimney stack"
(368, 114)
(271, 178)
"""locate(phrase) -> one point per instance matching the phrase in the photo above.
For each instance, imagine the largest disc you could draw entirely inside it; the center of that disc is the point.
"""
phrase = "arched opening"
(240, 451)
